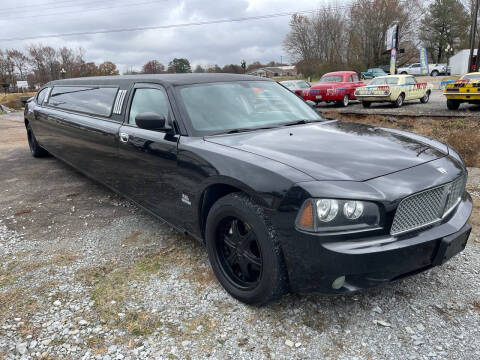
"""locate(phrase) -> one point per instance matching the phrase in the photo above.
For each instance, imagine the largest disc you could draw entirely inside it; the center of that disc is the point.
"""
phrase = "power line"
(170, 26)
(85, 10)
(36, 7)
(13, 16)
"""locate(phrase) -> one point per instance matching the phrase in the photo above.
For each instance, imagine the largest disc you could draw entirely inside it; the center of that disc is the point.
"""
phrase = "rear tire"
(399, 102)
(35, 149)
(434, 73)
(425, 97)
(366, 104)
(243, 250)
(453, 104)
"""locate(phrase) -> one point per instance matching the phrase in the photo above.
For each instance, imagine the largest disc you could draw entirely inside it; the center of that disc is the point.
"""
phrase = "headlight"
(327, 209)
(353, 209)
(335, 215)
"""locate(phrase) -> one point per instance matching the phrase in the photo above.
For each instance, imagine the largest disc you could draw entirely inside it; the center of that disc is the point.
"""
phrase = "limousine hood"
(335, 150)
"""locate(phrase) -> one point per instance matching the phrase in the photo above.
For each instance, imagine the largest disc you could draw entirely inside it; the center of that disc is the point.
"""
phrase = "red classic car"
(338, 86)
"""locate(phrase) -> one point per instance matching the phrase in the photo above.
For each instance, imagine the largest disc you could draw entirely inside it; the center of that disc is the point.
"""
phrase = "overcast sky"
(207, 44)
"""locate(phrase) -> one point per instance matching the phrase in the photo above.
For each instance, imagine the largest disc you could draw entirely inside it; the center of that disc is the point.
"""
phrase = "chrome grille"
(427, 207)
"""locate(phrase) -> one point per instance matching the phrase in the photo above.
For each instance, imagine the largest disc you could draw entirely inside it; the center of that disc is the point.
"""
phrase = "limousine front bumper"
(318, 264)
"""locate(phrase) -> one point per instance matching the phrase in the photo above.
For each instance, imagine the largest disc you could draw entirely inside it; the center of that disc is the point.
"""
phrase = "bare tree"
(369, 22)
(107, 68)
(20, 61)
(153, 67)
(318, 39)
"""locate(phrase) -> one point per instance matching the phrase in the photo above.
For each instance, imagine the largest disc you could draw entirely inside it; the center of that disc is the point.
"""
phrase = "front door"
(149, 157)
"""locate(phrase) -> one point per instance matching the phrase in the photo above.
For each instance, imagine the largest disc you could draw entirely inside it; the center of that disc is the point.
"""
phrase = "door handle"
(124, 137)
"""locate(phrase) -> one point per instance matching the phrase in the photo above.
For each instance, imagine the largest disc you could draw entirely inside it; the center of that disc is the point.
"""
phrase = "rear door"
(148, 158)
(86, 134)
(39, 118)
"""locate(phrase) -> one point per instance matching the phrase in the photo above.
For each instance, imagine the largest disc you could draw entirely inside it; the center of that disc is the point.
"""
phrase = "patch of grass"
(132, 237)
(13, 100)
(201, 277)
(476, 305)
(112, 287)
(96, 343)
(22, 212)
(21, 302)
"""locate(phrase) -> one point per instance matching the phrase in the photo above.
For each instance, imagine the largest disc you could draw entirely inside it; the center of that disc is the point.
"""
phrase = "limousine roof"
(172, 79)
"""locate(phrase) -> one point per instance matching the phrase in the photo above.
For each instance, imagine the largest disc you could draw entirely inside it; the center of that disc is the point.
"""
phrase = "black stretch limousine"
(284, 199)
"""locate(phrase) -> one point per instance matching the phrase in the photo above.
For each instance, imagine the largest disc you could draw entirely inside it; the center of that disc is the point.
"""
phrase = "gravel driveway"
(86, 275)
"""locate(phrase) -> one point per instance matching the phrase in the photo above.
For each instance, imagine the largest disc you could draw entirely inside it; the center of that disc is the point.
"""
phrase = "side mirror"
(311, 103)
(152, 121)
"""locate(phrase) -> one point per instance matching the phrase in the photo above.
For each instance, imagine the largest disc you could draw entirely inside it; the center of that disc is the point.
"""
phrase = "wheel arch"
(219, 188)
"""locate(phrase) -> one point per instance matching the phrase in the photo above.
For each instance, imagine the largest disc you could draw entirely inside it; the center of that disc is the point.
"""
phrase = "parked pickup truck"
(416, 69)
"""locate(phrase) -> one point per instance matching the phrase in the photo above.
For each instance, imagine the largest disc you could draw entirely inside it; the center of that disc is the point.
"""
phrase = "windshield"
(331, 78)
(288, 84)
(303, 85)
(384, 81)
(222, 107)
(471, 77)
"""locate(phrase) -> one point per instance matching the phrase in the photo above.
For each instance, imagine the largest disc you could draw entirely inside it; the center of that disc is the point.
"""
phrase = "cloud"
(254, 40)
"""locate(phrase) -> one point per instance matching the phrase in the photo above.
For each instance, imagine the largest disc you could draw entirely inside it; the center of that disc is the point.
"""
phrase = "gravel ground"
(86, 275)
(437, 106)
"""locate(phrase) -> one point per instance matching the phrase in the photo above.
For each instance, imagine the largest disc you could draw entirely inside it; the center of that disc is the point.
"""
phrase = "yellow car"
(395, 89)
(467, 89)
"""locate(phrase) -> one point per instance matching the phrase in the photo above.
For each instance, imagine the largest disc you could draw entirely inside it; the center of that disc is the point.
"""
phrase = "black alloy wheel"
(239, 253)
(244, 251)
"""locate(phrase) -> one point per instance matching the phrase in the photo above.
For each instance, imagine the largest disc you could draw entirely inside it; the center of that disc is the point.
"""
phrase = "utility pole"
(473, 32)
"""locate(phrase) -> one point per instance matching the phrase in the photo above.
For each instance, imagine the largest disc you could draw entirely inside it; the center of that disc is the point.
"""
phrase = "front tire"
(35, 149)
(243, 250)
(434, 73)
(425, 97)
(453, 104)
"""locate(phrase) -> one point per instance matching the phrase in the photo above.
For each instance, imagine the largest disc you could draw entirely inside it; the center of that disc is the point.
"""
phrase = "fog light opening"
(338, 282)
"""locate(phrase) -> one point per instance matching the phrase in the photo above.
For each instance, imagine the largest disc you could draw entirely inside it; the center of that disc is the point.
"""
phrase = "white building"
(459, 62)
(273, 71)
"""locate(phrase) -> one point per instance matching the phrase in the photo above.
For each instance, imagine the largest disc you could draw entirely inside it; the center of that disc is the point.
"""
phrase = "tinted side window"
(148, 100)
(91, 100)
(355, 78)
(41, 96)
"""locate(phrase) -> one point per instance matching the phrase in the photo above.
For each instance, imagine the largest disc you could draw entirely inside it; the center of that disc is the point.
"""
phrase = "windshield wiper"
(303, 121)
(240, 130)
